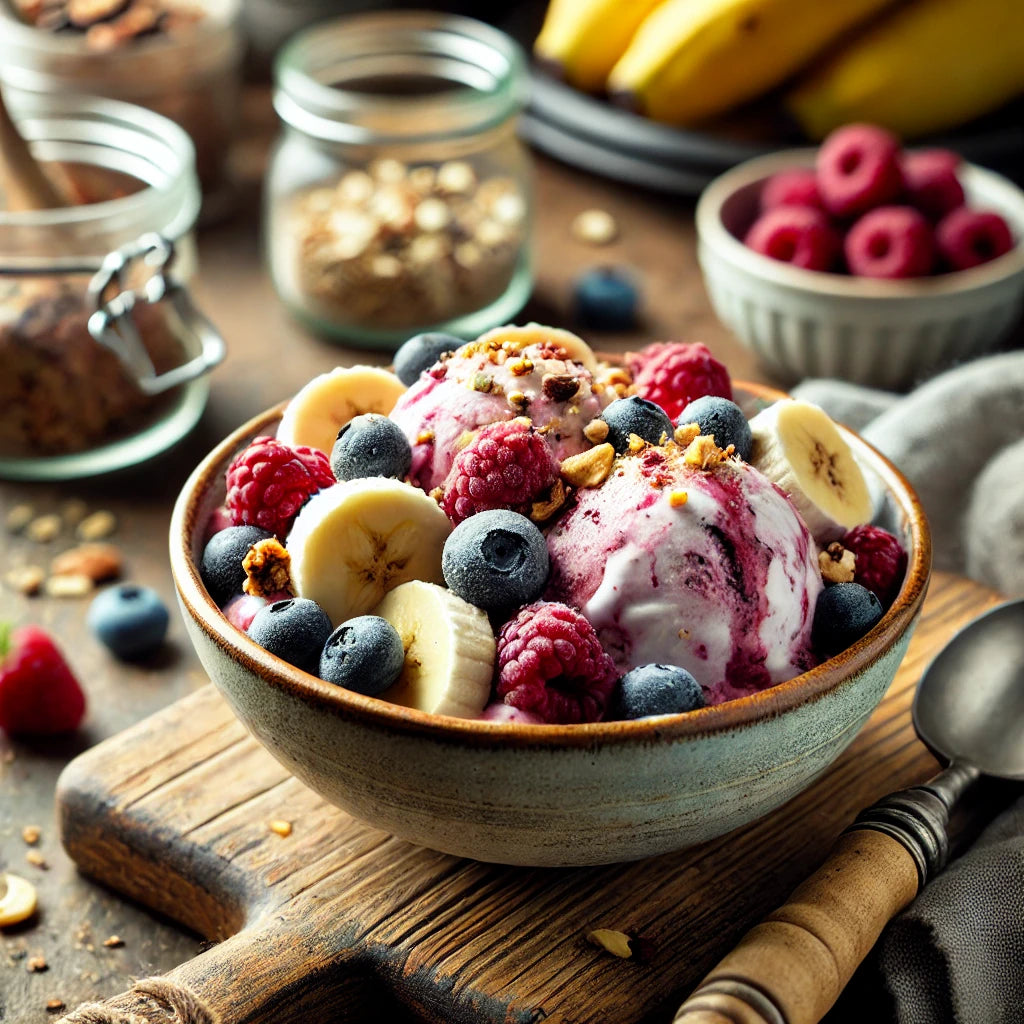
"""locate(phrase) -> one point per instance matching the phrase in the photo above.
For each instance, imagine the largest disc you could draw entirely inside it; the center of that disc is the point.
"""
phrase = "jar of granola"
(181, 58)
(104, 356)
(398, 197)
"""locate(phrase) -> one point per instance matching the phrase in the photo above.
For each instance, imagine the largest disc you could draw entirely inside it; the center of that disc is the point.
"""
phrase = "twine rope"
(186, 1007)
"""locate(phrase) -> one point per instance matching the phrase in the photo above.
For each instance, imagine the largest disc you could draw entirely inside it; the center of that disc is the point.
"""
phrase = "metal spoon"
(790, 968)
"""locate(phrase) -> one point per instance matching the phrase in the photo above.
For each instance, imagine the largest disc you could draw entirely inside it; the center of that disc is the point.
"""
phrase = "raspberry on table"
(800, 235)
(269, 482)
(551, 664)
(506, 465)
(890, 242)
(967, 238)
(881, 560)
(858, 169)
(673, 373)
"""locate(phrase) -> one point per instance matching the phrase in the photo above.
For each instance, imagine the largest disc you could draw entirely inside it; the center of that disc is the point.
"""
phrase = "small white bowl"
(886, 334)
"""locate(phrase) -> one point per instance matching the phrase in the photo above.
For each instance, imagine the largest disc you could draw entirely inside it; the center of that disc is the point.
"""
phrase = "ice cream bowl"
(881, 333)
(549, 795)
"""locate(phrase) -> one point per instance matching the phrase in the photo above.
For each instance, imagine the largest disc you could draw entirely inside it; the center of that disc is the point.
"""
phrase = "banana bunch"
(913, 67)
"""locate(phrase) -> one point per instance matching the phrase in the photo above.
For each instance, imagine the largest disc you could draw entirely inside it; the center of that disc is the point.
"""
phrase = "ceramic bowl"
(549, 795)
(886, 334)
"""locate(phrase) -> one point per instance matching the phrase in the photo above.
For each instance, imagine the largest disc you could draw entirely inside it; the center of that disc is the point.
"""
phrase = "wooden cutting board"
(338, 921)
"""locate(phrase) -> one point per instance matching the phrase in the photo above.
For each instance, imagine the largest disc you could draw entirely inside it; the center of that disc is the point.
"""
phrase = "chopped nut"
(455, 177)
(464, 439)
(490, 234)
(423, 179)
(35, 964)
(678, 498)
(267, 566)
(113, 942)
(468, 255)
(589, 468)
(19, 517)
(509, 209)
(837, 564)
(36, 859)
(99, 562)
(596, 431)
(703, 453)
(432, 215)
(74, 511)
(31, 834)
(595, 227)
(481, 382)
(520, 367)
(19, 901)
(44, 528)
(517, 398)
(685, 433)
(26, 579)
(425, 437)
(96, 526)
(559, 387)
(356, 187)
(280, 828)
(54, 1005)
(543, 510)
(387, 170)
(636, 444)
(71, 585)
(616, 943)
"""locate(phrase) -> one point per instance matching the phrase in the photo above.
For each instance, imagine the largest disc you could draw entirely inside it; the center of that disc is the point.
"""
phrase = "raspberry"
(674, 373)
(798, 187)
(890, 242)
(932, 184)
(269, 482)
(551, 664)
(506, 465)
(881, 560)
(858, 169)
(967, 238)
(800, 235)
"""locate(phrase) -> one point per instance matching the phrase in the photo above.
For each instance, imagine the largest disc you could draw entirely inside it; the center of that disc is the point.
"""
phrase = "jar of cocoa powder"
(103, 357)
(398, 197)
(181, 58)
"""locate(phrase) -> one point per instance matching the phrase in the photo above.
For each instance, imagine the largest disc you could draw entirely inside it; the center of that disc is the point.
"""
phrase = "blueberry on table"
(370, 445)
(722, 418)
(221, 565)
(605, 298)
(496, 560)
(635, 415)
(420, 353)
(843, 614)
(656, 690)
(131, 620)
(295, 630)
(364, 654)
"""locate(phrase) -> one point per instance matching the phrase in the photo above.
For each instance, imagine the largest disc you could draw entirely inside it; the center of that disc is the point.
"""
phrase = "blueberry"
(364, 654)
(221, 565)
(497, 560)
(635, 415)
(606, 299)
(843, 614)
(130, 619)
(420, 353)
(295, 630)
(656, 690)
(370, 445)
(722, 418)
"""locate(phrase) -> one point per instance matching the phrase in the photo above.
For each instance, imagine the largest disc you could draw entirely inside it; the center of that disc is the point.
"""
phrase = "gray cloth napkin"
(956, 955)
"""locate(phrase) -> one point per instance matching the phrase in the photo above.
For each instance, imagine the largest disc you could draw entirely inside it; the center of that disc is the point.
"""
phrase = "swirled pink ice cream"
(711, 569)
(506, 373)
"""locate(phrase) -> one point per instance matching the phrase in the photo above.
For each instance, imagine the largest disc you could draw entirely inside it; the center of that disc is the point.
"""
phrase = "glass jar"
(192, 77)
(398, 197)
(103, 356)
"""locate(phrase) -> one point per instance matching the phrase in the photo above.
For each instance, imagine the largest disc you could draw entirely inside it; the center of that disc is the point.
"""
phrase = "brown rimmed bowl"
(550, 795)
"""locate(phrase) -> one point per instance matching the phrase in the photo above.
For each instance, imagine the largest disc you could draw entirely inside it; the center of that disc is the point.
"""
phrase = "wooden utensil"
(791, 967)
(25, 184)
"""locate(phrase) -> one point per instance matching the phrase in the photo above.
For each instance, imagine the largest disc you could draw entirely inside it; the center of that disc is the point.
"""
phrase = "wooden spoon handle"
(25, 185)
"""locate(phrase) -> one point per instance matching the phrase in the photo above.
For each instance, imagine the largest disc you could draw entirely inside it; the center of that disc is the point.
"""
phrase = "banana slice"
(17, 899)
(353, 542)
(449, 650)
(575, 347)
(317, 412)
(798, 447)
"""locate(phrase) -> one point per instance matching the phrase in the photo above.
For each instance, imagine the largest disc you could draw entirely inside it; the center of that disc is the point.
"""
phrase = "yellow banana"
(691, 59)
(922, 68)
(582, 39)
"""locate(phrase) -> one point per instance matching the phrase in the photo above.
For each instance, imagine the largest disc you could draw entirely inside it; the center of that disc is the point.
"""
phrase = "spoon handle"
(790, 968)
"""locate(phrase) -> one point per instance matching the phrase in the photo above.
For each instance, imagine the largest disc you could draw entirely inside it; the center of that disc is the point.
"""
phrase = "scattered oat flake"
(74, 511)
(595, 227)
(26, 579)
(36, 859)
(36, 964)
(72, 585)
(280, 827)
(31, 834)
(113, 942)
(97, 526)
(100, 562)
(19, 517)
(43, 529)
(54, 1005)
(616, 943)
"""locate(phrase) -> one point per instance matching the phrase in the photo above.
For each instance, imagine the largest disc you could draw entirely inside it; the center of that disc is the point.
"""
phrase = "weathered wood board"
(338, 921)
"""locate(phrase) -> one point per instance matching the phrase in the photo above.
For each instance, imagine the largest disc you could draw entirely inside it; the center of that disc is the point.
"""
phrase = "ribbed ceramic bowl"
(549, 795)
(887, 334)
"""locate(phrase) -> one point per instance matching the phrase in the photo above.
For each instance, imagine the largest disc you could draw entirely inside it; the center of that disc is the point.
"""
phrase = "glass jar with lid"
(181, 59)
(398, 197)
(104, 357)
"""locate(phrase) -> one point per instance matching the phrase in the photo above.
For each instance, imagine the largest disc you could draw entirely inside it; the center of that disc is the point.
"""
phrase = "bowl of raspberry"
(863, 260)
(523, 604)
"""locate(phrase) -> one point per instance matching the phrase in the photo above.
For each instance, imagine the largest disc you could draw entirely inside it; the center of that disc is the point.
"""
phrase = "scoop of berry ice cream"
(505, 374)
(684, 557)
